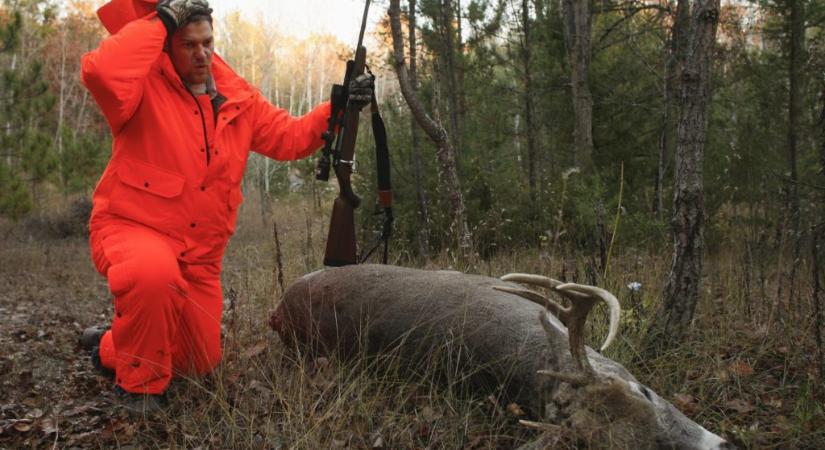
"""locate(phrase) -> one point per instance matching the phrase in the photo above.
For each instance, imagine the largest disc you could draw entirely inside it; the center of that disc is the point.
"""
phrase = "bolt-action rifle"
(339, 154)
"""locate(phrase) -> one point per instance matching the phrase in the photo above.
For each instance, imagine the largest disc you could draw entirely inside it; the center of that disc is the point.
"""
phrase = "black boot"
(91, 336)
(90, 339)
(140, 406)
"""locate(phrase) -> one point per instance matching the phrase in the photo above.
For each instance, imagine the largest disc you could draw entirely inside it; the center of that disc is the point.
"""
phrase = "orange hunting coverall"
(166, 204)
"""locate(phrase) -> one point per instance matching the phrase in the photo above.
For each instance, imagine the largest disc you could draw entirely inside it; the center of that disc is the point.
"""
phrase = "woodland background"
(561, 154)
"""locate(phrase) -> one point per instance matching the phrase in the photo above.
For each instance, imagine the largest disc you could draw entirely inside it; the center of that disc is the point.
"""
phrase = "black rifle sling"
(382, 160)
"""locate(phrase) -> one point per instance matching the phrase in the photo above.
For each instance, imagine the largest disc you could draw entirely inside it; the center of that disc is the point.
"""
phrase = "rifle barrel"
(363, 24)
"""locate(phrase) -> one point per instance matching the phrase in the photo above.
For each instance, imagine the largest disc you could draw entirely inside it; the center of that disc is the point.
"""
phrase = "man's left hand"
(362, 89)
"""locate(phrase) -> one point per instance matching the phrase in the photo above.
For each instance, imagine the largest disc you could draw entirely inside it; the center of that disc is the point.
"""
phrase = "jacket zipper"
(203, 123)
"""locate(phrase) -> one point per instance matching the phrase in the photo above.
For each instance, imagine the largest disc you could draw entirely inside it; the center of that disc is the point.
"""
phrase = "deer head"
(594, 407)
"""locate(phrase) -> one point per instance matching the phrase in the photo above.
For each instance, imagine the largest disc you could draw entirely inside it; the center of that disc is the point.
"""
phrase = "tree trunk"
(61, 109)
(817, 298)
(681, 292)
(444, 148)
(459, 74)
(577, 38)
(818, 230)
(796, 67)
(675, 62)
(529, 125)
(420, 194)
(450, 72)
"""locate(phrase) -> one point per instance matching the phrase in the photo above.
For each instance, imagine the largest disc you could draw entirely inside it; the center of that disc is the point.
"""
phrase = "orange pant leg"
(197, 346)
(165, 319)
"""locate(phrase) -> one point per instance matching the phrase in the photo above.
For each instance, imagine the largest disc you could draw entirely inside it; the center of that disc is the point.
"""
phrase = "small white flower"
(634, 286)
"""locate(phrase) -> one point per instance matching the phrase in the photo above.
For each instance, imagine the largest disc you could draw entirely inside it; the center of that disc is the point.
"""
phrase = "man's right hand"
(173, 13)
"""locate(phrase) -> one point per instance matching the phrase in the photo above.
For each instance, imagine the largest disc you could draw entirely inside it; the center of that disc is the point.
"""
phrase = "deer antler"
(582, 299)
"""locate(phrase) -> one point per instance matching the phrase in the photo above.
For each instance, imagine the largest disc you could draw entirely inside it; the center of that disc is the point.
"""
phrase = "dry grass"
(753, 382)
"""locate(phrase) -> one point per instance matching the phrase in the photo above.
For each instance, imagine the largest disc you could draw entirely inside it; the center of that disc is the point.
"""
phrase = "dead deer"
(531, 352)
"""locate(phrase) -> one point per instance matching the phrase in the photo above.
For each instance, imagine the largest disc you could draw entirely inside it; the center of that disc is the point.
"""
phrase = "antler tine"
(527, 278)
(536, 298)
(582, 299)
(593, 295)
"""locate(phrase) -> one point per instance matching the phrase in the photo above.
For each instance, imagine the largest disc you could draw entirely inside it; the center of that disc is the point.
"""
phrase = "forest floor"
(750, 381)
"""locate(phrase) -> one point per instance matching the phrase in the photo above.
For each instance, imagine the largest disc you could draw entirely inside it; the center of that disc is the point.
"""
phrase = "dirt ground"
(49, 293)
(757, 388)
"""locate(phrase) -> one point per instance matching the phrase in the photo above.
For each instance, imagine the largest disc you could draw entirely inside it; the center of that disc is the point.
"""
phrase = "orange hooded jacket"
(175, 167)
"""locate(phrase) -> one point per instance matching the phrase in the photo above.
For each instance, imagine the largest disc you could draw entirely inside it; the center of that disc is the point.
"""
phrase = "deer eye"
(646, 393)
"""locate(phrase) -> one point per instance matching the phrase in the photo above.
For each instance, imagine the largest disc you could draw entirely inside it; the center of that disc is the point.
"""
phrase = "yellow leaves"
(294, 73)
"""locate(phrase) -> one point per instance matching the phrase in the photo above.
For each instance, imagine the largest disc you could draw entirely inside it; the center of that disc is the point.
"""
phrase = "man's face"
(191, 51)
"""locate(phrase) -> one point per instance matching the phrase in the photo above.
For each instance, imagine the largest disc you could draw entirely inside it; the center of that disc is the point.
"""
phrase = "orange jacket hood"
(117, 13)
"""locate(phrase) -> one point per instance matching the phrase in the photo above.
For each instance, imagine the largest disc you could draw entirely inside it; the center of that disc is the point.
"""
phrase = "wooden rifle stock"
(341, 249)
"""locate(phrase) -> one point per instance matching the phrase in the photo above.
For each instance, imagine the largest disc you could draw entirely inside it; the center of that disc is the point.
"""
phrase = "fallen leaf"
(775, 403)
(741, 369)
(378, 442)
(757, 333)
(233, 378)
(475, 442)
(258, 386)
(428, 414)
(79, 409)
(47, 426)
(35, 413)
(740, 406)
(255, 350)
(685, 403)
(694, 374)
(781, 424)
(515, 409)
(23, 425)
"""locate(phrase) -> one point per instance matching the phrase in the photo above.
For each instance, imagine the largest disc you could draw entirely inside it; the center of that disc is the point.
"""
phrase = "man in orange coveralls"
(183, 124)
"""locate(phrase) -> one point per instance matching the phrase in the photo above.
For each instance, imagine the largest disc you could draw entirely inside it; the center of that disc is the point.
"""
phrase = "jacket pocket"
(147, 194)
(151, 179)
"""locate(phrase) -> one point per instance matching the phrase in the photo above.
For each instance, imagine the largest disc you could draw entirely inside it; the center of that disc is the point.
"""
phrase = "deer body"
(493, 339)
